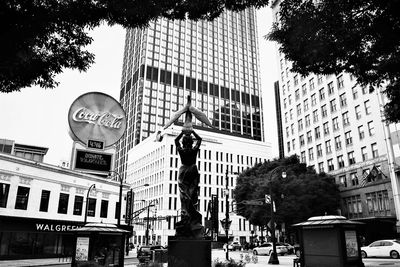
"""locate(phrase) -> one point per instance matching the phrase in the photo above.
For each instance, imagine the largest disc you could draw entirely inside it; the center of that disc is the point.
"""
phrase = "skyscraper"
(215, 62)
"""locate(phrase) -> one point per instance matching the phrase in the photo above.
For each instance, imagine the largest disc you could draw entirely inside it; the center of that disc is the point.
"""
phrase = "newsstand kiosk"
(99, 244)
(330, 241)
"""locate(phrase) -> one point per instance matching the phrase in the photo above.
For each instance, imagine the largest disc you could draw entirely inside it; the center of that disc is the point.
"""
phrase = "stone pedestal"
(189, 252)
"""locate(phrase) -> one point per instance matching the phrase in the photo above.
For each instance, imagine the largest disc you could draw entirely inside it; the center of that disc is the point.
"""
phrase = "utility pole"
(227, 213)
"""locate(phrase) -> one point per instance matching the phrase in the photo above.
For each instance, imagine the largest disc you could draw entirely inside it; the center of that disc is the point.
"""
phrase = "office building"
(335, 125)
(217, 63)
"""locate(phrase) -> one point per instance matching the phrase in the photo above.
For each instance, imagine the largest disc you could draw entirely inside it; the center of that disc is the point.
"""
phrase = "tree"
(361, 37)
(41, 38)
(302, 194)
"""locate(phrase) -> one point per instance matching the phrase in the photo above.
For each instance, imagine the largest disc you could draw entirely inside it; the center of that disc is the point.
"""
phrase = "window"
(300, 124)
(304, 89)
(305, 105)
(358, 112)
(296, 80)
(321, 167)
(319, 150)
(292, 127)
(326, 128)
(354, 90)
(315, 115)
(333, 105)
(343, 180)
(335, 124)
(44, 201)
(287, 131)
(303, 157)
(371, 128)
(349, 139)
(286, 118)
(311, 154)
(78, 205)
(317, 132)
(319, 78)
(378, 204)
(340, 161)
(21, 202)
(298, 109)
(367, 107)
(312, 84)
(290, 99)
(284, 103)
(345, 117)
(340, 82)
(364, 90)
(338, 143)
(297, 94)
(302, 140)
(354, 178)
(104, 208)
(291, 114)
(330, 88)
(308, 122)
(374, 150)
(351, 158)
(313, 100)
(343, 100)
(331, 167)
(361, 133)
(91, 210)
(364, 153)
(63, 203)
(293, 144)
(4, 190)
(288, 146)
(309, 137)
(328, 147)
(324, 111)
(321, 94)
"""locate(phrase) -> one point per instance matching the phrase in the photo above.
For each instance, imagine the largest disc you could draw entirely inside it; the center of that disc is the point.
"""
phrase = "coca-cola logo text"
(105, 119)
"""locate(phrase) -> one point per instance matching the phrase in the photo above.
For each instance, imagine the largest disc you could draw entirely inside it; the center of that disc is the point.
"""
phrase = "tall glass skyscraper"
(215, 62)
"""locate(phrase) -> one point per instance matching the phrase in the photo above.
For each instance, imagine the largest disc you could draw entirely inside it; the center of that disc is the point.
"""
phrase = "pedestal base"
(189, 252)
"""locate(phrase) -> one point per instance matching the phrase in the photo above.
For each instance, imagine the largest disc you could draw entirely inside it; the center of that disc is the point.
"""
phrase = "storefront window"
(44, 201)
(21, 201)
(4, 189)
(91, 207)
(104, 208)
(63, 203)
(78, 205)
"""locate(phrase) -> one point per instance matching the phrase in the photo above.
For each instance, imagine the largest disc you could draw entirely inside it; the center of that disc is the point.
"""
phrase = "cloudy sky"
(36, 116)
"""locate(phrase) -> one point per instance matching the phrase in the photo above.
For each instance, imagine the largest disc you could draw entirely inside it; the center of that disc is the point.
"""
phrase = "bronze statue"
(189, 177)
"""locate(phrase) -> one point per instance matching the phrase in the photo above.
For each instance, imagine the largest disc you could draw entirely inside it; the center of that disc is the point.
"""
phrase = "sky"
(37, 116)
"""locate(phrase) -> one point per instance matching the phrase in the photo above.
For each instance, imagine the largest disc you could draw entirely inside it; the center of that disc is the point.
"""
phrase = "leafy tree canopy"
(361, 37)
(302, 194)
(41, 37)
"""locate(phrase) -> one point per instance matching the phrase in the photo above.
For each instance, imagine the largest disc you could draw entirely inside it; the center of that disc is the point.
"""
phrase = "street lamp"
(93, 186)
(120, 195)
(273, 259)
(148, 218)
(227, 223)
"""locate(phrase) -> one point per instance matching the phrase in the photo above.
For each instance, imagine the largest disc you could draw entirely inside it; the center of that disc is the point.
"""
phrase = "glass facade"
(214, 62)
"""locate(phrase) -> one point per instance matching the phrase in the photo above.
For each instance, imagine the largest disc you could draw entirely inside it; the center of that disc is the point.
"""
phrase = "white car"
(382, 248)
(266, 249)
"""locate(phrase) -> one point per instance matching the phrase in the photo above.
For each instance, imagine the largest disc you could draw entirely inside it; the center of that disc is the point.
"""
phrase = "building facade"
(217, 63)
(221, 158)
(335, 125)
(41, 203)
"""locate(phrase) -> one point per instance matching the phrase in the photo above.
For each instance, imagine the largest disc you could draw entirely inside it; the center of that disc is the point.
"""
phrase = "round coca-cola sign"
(97, 116)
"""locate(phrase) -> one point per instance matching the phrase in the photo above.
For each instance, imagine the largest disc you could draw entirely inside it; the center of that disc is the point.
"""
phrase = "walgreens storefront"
(35, 238)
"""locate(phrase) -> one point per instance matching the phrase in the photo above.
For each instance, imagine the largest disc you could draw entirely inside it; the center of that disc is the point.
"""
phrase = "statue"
(189, 177)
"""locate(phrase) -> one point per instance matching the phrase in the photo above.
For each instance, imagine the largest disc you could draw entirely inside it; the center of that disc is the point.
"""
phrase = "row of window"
(22, 199)
(377, 204)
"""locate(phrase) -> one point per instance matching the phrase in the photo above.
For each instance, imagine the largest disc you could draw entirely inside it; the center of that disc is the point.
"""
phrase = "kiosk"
(99, 244)
(330, 241)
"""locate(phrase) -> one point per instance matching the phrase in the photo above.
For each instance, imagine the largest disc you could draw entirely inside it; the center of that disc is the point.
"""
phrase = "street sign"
(270, 225)
(253, 202)
(267, 199)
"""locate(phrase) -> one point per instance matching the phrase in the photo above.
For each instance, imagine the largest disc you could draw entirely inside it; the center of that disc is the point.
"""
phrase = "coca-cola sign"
(97, 116)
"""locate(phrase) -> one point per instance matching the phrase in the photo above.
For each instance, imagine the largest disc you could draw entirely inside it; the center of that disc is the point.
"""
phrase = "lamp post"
(227, 224)
(273, 259)
(120, 196)
(93, 186)
(148, 219)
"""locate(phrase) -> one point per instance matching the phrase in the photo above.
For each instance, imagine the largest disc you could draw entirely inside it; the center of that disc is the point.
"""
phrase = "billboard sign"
(97, 116)
(93, 161)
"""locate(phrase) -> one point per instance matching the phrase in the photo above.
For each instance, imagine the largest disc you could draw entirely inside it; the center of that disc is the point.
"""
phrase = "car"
(382, 248)
(235, 245)
(267, 248)
(289, 247)
(145, 253)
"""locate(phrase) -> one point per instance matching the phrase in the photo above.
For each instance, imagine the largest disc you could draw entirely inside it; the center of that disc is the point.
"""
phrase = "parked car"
(382, 248)
(235, 245)
(266, 249)
(145, 253)
(289, 247)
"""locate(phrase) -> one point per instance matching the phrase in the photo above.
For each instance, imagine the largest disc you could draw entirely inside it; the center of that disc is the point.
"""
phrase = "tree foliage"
(302, 194)
(361, 37)
(39, 38)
